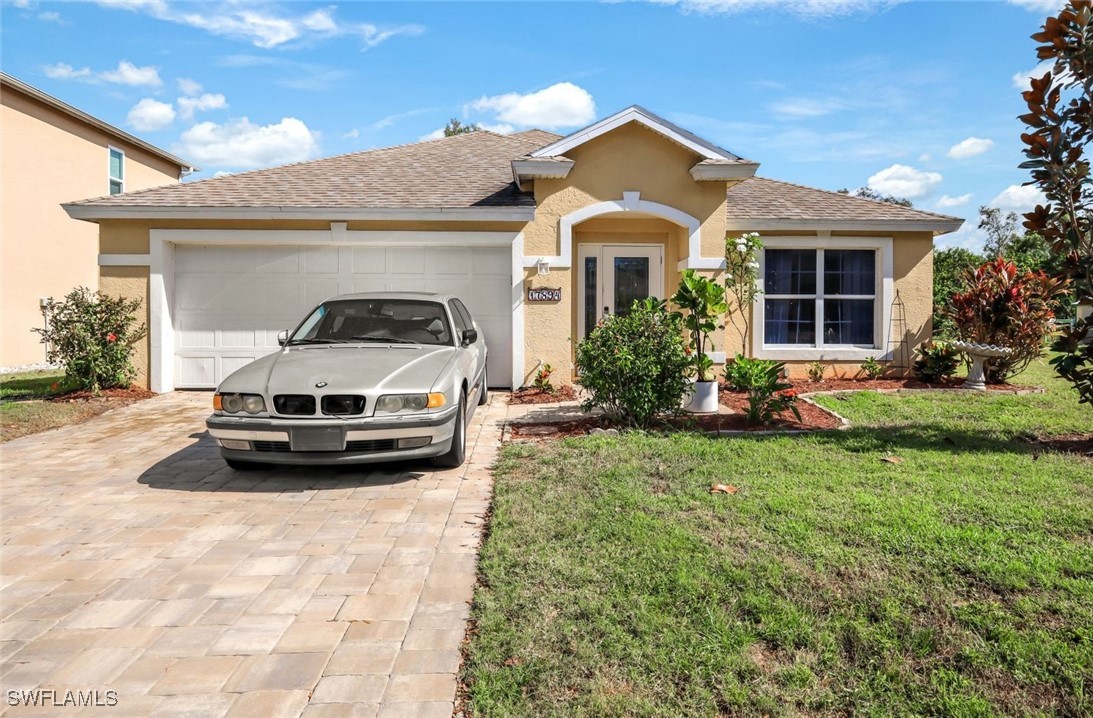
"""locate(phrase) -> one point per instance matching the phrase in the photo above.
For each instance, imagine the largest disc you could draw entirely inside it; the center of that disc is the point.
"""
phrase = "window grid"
(819, 297)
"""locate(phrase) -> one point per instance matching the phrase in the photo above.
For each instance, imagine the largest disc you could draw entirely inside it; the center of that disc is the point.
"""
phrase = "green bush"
(768, 394)
(872, 368)
(634, 365)
(92, 336)
(936, 360)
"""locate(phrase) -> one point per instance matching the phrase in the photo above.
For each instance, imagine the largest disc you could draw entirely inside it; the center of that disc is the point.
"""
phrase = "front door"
(612, 276)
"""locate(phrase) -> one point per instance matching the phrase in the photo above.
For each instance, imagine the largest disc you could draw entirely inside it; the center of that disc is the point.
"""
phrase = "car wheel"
(458, 453)
(483, 391)
(238, 465)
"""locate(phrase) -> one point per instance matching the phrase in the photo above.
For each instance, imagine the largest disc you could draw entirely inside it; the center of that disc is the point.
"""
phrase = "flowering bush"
(1002, 307)
(92, 336)
(768, 393)
(741, 274)
(936, 360)
(634, 366)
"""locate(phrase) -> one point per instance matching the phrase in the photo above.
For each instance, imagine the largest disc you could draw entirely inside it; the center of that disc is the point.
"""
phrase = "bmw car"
(372, 377)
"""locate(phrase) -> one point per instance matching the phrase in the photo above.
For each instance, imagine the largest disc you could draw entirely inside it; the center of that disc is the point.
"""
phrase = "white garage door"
(230, 302)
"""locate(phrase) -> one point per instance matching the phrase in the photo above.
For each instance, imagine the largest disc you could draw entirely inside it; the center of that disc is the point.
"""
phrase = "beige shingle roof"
(767, 199)
(467, 170)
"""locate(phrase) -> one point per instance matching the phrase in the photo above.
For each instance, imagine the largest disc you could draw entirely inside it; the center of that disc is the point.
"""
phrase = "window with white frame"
(117, 171)
(820, 297)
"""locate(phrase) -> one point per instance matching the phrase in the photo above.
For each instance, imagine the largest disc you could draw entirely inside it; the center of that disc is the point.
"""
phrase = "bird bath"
(979, 354)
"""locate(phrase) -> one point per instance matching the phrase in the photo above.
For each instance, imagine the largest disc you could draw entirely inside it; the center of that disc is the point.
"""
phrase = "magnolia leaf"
(892, 460)
(723, 489)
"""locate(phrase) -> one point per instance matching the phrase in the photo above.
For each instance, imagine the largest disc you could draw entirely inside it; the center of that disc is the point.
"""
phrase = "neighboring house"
(50, 153)
(608, 214)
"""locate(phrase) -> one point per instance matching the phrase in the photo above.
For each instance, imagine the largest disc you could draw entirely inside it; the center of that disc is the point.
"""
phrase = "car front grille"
(271, 445)
(342, 404)
(294, 404)
(371, 445)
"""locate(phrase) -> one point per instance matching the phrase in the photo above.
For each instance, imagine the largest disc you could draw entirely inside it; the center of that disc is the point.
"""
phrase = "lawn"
(25, 407)
(958, 582)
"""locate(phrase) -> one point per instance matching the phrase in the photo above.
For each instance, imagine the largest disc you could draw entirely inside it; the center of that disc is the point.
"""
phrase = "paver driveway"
(135, 561)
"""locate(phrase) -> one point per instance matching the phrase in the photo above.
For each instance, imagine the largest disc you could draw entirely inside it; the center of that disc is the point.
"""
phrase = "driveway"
(141, 571)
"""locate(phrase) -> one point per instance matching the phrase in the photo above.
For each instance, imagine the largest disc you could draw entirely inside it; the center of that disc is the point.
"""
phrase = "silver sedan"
(370, 377)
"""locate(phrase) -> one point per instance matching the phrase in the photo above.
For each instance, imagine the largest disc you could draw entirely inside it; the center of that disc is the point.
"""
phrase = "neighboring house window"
(117, 171)
(823, 297)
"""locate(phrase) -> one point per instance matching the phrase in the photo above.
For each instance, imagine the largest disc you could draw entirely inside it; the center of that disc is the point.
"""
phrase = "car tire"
(483, 391)
(237, 465)
(456, 455)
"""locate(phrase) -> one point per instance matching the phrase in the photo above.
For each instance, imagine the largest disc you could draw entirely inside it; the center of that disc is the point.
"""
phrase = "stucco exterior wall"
(131, 283)
(49, 158)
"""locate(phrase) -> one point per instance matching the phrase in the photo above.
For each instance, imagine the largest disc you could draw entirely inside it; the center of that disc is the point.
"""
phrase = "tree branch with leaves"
(741, 282)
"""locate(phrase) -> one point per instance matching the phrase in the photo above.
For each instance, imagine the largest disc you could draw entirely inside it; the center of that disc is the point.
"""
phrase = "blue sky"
(917, 99)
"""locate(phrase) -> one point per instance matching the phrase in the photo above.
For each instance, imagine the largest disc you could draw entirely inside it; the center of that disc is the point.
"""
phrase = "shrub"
(704, 300)
(1002, 307)
(872, 368)
(634, 366)
(816, 371)
(92, 336)
(936, 360)
(542, 379)
(768, 394)
(950, 266)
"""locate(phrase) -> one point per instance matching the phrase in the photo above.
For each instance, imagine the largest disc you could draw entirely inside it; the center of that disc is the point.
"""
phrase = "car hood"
(344, 368)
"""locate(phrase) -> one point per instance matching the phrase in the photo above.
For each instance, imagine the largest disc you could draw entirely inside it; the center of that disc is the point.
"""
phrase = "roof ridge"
(872, 202)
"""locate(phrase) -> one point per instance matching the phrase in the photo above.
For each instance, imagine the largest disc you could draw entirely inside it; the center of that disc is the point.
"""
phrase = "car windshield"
(394, 321)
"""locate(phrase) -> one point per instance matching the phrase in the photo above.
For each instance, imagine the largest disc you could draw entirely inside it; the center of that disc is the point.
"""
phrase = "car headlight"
(235, 403)
(397, 403)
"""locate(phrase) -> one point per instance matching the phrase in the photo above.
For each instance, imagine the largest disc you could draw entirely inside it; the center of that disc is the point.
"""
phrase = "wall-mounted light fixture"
(544, 266)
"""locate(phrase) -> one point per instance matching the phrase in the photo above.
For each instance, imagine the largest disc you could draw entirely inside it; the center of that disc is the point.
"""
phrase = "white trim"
(124, 260)
(882, 310)
(336, 235)
(161, 327)
(721, 172)
(641, 116)
(454, 214)
(540, 168)
(938, 226)
(518, 348)
(110, 178)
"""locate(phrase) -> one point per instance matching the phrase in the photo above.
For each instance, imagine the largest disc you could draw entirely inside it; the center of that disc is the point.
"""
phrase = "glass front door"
(612, 276)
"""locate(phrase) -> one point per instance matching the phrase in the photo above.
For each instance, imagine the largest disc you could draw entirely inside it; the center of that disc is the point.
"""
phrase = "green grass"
(956, 583)
(23, 409)
(30, 384)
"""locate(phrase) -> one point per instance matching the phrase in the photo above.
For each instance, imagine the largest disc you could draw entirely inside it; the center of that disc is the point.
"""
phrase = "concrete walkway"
(137, 565)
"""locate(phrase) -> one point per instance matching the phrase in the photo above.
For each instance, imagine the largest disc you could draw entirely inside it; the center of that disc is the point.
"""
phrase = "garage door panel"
(231, 302)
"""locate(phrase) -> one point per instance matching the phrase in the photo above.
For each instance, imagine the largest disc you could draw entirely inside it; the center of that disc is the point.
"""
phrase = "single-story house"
(541, 234)
(51, 152)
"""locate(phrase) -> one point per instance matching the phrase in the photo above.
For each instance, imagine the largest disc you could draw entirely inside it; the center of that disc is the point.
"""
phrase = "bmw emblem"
(320, 384)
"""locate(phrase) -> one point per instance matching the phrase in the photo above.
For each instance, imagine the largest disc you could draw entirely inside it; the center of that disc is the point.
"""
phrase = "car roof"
(419, 296)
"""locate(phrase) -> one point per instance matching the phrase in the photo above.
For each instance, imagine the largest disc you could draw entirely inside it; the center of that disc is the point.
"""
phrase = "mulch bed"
(891, 384)
(133, 393)
(1080, 444)
(538, 396)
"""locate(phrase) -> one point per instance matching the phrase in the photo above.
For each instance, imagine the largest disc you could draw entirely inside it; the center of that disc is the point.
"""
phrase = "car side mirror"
(470, 336)
(282, 337)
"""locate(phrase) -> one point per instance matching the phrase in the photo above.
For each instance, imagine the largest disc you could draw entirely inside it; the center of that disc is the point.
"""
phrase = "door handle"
(606, 311)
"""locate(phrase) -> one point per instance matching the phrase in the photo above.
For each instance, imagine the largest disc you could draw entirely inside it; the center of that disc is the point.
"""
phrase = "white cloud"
(969, 237)
(971, 147)
(241, 144)
(1049, 7)
(352, 134)
(263, 26)
(1021, 79)
(127, 73)
(500, 128)
(560, 105)
(904, 181)
(187, 106)
(434, 135)
(800, 8)
(1018, 198)
(189, 87)
(924, 157)
(149, 114)
(805, 107)
(51, 16)
(62, 71)
(947, 201)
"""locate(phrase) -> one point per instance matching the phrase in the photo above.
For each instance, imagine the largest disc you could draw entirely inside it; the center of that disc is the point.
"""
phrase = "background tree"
(1001, 229)
(1060, 117)
(455, 127)
(950, 267)
(870, 193)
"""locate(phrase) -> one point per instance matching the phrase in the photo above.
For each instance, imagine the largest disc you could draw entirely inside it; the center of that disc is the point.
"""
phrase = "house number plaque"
(544, 294)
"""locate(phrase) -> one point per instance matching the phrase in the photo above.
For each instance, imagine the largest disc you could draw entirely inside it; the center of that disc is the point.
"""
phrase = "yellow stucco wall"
(131, 283)
(49, 158)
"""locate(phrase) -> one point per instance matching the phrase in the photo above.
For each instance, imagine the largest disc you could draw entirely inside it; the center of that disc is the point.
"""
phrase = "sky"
(916, 98)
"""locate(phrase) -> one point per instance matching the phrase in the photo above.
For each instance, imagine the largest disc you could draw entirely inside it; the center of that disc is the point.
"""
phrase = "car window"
(460, 323)
(362, 320)
(463, 313)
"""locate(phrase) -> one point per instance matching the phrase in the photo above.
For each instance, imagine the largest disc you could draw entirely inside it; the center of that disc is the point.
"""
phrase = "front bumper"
(333, 441)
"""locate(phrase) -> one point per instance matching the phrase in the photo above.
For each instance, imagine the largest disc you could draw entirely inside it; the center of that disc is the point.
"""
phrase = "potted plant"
(703, 303)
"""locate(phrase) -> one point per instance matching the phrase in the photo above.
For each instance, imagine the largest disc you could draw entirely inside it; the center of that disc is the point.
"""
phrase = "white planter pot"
(703, 399)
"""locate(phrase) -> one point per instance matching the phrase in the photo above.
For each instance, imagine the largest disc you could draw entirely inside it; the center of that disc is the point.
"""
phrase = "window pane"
(590, 300)
(460, 324)
(850, 271)
(116, 165)
(790, 321)
(848, 321)
(115, 187)
(790, 271)
(631, 282)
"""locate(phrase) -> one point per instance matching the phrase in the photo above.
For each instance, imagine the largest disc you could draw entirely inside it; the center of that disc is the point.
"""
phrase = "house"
(608, 214)
(53, 153)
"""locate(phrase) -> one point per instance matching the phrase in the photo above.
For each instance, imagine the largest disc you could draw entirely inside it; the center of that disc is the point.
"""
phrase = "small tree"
(92, 336)
(1060, 105)
(704, 301)
(742, 275)
(455, 127)
(1002, 307)
(950, 267)
(1001, 230)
